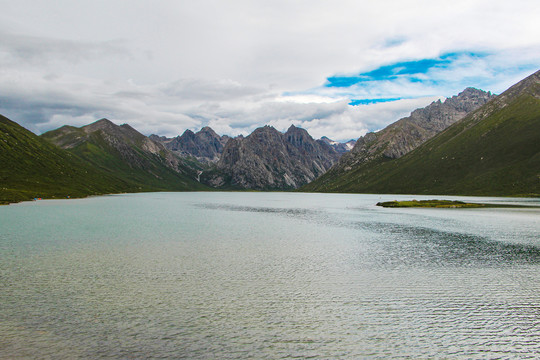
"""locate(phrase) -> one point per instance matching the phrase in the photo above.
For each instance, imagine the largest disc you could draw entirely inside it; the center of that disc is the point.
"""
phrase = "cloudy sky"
(336, 68)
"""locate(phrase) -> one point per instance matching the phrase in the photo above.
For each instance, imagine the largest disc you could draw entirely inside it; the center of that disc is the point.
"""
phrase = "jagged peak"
(100, 124)
(464, 96)
(471, 91)
(207, 129)
(265, 128)
(297, 130)
(188, 133)
(103, 121)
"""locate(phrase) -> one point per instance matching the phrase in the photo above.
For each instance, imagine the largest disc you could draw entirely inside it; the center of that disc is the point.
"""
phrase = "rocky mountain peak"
(136, 150)
(265, 132)
(208, 134)
(187, 134)
(103, 121)
(406, 134)
(471, 92)
(101, 124)
(208, 130)
(158, 138)
(293, 128)
(300, 138)
(268, 159)
(468, 100)
(205, 144)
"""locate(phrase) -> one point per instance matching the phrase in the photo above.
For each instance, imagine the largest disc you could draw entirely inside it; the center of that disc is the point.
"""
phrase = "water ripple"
(214, 278)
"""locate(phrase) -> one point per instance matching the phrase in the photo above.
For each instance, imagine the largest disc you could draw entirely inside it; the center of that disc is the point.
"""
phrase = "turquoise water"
(267, 275)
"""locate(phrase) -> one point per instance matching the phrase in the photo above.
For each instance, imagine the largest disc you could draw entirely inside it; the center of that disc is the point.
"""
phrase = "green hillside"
(127, 154)
(31, 167)
(493, 151)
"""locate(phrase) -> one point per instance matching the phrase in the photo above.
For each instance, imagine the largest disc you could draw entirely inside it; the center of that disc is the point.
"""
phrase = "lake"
(268, 275)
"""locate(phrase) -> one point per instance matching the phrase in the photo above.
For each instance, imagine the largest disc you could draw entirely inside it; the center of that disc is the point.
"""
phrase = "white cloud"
(235, 65)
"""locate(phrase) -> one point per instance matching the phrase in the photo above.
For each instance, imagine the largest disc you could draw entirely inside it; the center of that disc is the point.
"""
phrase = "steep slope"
(125, 153)
(404, 135)
(408, 133)
(270, 160)
(205, 145)
(495, 150)
(32, 167)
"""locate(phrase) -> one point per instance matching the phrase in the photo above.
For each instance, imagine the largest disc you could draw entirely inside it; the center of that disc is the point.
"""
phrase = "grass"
(430, 203)
(498, 155)
(34, 168)
(443, 204)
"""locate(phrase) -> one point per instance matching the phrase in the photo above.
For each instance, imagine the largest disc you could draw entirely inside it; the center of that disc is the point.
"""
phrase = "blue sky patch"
(413, 71)
(356, 102)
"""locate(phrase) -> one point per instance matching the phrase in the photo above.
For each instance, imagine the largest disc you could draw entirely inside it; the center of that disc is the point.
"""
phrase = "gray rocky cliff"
(270, 160)
(205, 145)
(408, 133)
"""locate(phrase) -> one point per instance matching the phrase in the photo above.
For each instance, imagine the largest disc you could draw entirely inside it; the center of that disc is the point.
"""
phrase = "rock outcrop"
(408, 133)
(270, 160)
(205, 145)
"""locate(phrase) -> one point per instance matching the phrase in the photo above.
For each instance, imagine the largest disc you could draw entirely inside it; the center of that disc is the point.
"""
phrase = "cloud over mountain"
(337, 69)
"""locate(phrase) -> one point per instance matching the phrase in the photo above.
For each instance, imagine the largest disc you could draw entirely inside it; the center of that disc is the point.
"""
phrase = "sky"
(336, 68)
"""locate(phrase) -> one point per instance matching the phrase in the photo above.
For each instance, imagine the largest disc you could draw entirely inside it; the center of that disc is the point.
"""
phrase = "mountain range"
(127, 154)
(406, 134)
(473, 143)
(494, 150)
(270, 160)
(103, 157)
(32, 167)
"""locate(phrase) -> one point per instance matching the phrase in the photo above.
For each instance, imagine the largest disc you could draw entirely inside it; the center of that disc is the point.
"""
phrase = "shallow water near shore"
(268, 275)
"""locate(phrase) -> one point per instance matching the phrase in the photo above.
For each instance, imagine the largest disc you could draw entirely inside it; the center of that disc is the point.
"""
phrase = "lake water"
(267, 275)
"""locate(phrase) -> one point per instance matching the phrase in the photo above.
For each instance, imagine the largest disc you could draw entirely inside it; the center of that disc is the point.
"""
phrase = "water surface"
(267, 275)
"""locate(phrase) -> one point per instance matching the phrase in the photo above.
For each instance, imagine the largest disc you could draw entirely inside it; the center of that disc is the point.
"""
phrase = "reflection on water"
(267, 275)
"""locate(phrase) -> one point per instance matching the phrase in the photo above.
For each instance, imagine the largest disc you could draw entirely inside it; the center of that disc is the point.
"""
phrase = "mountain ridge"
(33, 167)
(495, 150)
(404, 135)
(270, 160)
(123, 151)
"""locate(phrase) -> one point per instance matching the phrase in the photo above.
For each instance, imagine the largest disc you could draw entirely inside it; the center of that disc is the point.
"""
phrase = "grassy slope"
(154, 176)
(500, 155)
(31, 167)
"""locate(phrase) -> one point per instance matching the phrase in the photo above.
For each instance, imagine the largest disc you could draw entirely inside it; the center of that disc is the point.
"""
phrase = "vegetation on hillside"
(493, 151)
(34, 168)
(127, 160)
(430, 204)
